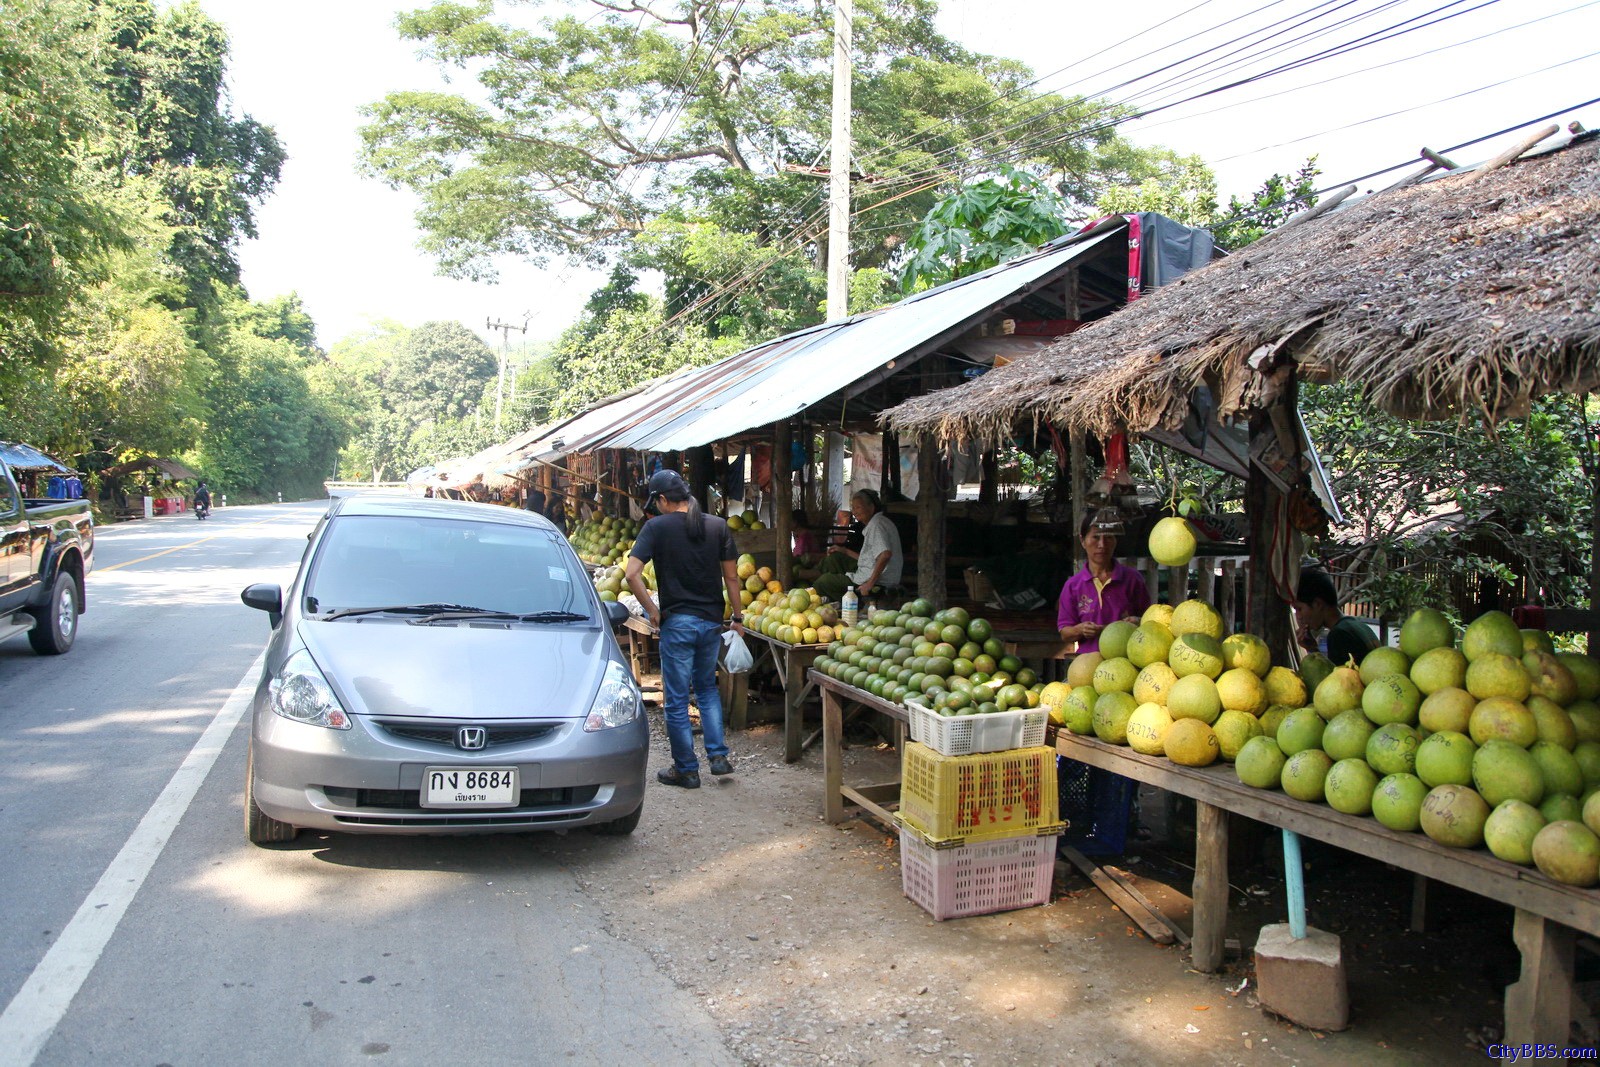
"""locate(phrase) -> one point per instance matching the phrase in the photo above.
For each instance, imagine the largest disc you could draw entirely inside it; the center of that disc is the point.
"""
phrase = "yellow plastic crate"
(981, 797)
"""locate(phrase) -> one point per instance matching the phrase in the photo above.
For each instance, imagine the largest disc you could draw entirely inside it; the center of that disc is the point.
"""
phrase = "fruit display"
(611, 583)
(605, 540)
(946, 661)
(789, 616)
(745, 520)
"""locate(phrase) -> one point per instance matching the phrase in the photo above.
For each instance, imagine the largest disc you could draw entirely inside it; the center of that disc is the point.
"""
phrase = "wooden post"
(1080, 489)
(783, 499)
(699, 461)
(1210, 886)
(1539, 1004)
(1228, 596)
(1594, 569)
(930, 522)
(889, 484)
(988, 481)
(1267, 614)
(832, 757)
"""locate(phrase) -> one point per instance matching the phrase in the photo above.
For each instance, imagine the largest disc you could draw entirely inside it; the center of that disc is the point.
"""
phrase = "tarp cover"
(26, 457)
(1171, 249)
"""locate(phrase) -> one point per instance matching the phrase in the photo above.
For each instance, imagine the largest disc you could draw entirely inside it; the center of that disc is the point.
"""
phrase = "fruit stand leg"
(1210, 886)
(1539, 1004)
(832, 757)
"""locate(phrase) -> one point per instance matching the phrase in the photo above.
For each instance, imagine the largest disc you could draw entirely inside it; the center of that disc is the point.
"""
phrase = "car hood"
(387, 667)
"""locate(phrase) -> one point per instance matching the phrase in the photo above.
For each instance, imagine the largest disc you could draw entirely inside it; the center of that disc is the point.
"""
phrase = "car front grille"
(403, 807)
(443, 735)
(411, 799)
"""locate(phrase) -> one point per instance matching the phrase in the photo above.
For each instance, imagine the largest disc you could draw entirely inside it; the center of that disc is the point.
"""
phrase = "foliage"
(980, 225)
(587, 362)
(1279, 197)
(440, 370)
(1179, 187)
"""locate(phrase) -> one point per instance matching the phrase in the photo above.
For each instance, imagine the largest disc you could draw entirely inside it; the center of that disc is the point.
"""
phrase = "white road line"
(40, 1004)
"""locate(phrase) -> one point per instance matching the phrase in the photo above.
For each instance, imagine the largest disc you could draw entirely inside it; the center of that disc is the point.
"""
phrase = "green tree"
(1279, 197)
(980, 225)
(586, 356)
(440, 371)
(1179, 187)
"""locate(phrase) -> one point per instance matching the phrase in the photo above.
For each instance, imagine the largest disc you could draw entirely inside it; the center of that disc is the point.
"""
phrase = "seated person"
(1317, 608)
(879, 563)
(1104, 590)
(808, 548)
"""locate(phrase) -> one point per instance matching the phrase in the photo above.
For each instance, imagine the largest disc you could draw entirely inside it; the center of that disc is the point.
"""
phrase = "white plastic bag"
(736, 658)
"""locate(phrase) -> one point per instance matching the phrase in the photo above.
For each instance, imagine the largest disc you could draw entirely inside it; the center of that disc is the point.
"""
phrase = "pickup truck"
(46, 552)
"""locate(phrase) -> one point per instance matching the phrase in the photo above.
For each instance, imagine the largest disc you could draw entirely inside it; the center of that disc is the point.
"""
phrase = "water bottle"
(850, 607)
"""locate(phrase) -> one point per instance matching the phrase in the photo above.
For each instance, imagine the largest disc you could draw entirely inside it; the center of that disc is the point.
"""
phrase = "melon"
(1240, 689)
(1113, 641)
(1568, 852)
(1349, 787)
(1494, 675)
(1425, 629)
(1150, 643)
(1445, 758)
(1347, 735)
(1300, 730)
(1439, 668)
(1392, 698)
(1493, 632)
(1194, 697)
(1502, 771)
(1392, 749)
(1504, 719)
(1191, 743)
(1339, 691)
(1154, 684)
(1233, 729)
(1081, 670)
(1111, 714)
(1305, 775)
(1454, 815)
(1115, 675)
(1510, 829)
(1147, 729)
(1196, 653)
(1447, 709)
(1558, 767)
(1397, 802)
(1196, 617)
(1286, 687)
(1259, 763)
(1247, 652)
(1172, 542)
(1382, 662)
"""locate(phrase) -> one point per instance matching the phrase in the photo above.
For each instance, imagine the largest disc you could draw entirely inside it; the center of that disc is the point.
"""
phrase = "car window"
(374, 560)
(8, 496)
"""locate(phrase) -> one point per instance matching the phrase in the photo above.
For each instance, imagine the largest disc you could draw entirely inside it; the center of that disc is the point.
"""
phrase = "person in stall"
(1316, 611)
(879, 562)
(1104, 590)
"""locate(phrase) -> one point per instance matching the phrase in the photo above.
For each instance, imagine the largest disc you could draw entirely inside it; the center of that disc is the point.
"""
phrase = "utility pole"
(505, 329)
(839, 166)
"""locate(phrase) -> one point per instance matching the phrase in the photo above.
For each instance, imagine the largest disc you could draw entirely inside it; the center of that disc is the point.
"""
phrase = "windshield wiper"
(459, 614)
(555, 616)
(398, 609)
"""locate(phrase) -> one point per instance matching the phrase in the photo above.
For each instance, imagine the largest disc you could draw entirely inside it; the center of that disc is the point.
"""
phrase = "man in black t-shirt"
(694, 560)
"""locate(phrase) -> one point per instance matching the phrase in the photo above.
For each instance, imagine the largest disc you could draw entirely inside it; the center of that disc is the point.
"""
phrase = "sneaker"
(685, 780)
(720, 765)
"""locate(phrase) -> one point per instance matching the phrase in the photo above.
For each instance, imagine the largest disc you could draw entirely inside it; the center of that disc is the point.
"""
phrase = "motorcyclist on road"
(202, 497)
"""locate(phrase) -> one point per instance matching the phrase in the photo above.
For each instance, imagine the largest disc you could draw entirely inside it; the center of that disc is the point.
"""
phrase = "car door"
(16, 560)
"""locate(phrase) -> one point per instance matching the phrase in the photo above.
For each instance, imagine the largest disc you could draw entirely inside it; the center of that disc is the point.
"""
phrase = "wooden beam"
(783, 499)
(1539, 1004)
(931, 509)
(1121, 893)
(1210, 887)
(1512, 153)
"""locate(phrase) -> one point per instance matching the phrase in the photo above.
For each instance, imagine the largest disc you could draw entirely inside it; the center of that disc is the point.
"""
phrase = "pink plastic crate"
(976, 879)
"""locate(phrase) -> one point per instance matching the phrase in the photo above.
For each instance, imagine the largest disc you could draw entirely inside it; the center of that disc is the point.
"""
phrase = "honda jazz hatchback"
(441, 667)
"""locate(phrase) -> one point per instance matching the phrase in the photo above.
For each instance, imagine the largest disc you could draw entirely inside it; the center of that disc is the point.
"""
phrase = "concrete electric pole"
(839, 166)
(505, 329)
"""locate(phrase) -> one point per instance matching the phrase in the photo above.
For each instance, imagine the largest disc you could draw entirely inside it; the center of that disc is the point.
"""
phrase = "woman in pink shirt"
(1104, 591)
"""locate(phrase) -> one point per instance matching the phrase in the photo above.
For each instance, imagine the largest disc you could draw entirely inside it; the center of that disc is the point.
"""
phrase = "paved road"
(335, 949)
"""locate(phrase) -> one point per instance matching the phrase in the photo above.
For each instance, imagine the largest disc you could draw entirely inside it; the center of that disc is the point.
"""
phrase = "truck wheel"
(259, 827)
(56, 623)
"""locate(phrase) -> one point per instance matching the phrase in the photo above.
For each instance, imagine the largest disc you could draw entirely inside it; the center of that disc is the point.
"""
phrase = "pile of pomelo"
(946, 661)
(744, 520)
(612, 582)
(792, 616)
(605, 540)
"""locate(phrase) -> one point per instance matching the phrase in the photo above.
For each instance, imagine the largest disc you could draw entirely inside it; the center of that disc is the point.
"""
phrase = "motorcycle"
(202, 512)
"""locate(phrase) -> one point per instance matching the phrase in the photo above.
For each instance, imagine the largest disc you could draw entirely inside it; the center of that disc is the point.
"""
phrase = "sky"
(347, 243)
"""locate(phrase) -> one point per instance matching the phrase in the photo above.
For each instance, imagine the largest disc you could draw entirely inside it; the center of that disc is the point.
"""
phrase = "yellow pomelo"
(1161, 613)
(1233, 729)
(1191, 743)
(1194, 697)
(1241, 690)
(1494, 675)
(1153, 684)
(1147, 729)
(1081, 670)
(1249, 652)
(1150, 643)
(1196, 617)
(1285, 687)
(1172, 542)
(1447, 709)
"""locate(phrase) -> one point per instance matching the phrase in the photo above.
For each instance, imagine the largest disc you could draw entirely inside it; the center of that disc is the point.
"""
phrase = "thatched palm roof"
(1474, 291)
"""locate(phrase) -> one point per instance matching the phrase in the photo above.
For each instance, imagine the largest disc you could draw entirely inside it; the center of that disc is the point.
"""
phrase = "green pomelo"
(1191, 743)
(1504, 719)
(1502, 771)
(1194, 696)
(1585, 716)
(1548, 677)
(1259, 763)
(1559, 806)
(1111, 714)
(1234, 729)
(1493, 632)
(1241, 690)
(1150, 643)
(1585, 672)
(1587, 753)
(1454, 815)
(1147, 729)
(1115, 675)
(1272, 717)
(1536, 641)
(1445, 758)
(1438, 669)
(1154, 684)
(1494, 675)
(1286, 687)
(1392, 749)
(1391, 698)
(1425, 629)
(1114, 639)
(1568, 852)
(1081, 670)
(1349, 787)
(1196, 653)
(1313, 669)
(1510, 829)
(1397, 802)
(1559, 768)
(1305, 775)
(1078, 710)
(1339, 691)
(1196, 617)
(1591, 812)
(1300, 731)
(1447, 709)
(1247, 652)
(1552, 722)
(1347, 735)
(1172, 542)
(1382, 662)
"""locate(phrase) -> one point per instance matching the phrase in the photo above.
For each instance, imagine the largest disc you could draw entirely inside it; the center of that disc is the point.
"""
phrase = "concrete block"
(1302, 980)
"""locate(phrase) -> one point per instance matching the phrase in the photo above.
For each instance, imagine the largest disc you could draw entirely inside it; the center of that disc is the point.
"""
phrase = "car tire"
(259, 827)
(623, 826)
(55, 624)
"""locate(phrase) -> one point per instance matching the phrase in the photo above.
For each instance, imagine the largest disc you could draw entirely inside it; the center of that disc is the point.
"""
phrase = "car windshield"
(372, 561)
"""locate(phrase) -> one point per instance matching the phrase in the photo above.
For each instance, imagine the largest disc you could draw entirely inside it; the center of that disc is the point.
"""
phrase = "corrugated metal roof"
(783, 377)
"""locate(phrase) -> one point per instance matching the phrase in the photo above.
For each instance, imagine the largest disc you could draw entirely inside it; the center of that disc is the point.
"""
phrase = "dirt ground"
(798, 940)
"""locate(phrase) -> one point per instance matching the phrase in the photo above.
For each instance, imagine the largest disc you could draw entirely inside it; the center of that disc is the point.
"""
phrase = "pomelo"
(1081, 670)
(1115, 676)
(1447, 709)
(1233, 729)
(1552, 722)
(1425, 629)
(1492, 632)
(1587, 753)
(1286, 687)
(1503, 771)
(1445, 758)
(1194, 697)
(1536, 641)
(1585, 716)
(1300, 730)
(1439, 668)
(1196, 653)
(1305, 775)
(1078, 710)
(1111, 714)
(1150, 643)
(1347, 735)
(1241, 690)
(1259, 763)
(1568, 852)
(1397, 802)
(1247, 652)
(1161, 613)
(1313, 669)
(1510, 829)
(1558, 806)
(1349, 787)
(1196, 617)
(1382, 662)
(1494, 675)
(1191, 743)
(1454, 815)
(1391, 698)
(1591, 812)
(1339, 691)
(1392, 749)
(1154, 684)
(1559, 768)
(1550, 678)
(1147, 729)
(1504, 719)
(1114, 639)
(1585, 673)
(1172, 541)
(1274, 715)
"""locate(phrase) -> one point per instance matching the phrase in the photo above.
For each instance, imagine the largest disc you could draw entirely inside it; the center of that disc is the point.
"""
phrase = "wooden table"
(836, 697)
(792, 664)
(640, 635)
(1548, 915)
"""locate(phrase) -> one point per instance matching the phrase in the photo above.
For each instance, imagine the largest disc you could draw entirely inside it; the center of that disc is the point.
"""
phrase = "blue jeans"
(689, 650)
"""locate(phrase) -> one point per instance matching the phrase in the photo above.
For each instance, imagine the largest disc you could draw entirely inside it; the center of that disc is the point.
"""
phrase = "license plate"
(469, 787)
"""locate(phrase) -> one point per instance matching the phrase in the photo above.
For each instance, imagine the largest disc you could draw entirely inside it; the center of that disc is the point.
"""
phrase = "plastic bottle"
(849, 607)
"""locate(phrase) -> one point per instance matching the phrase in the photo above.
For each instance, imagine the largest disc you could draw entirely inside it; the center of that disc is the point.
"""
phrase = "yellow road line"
(178, 548)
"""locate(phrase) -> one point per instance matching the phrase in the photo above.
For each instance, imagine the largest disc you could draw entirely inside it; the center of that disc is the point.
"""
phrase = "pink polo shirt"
(1124, 595)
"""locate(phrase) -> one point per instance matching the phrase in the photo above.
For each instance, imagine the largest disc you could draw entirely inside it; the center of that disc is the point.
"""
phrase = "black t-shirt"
(688, 573)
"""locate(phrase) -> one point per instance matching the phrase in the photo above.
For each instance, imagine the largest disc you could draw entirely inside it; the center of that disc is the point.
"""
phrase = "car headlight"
(299, 692)
(617, 702)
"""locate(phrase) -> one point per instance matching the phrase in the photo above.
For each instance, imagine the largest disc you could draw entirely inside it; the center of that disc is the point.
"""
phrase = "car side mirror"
(616, 614)
(266, 597)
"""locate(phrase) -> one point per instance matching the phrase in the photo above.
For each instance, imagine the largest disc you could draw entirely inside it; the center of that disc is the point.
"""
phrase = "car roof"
(433, 508)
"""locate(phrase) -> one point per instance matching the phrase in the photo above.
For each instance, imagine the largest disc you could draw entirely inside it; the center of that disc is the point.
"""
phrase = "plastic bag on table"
(736, 658)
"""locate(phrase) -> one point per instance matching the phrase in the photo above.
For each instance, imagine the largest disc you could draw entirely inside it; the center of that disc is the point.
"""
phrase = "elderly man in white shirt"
(880, 562)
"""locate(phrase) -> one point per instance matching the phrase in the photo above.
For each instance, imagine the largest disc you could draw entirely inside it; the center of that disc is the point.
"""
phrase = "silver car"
(441, 667)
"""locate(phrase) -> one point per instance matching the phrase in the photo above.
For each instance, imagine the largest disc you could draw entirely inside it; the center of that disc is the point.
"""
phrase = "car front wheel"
(623, 826)
(259, 827)
(56, 622)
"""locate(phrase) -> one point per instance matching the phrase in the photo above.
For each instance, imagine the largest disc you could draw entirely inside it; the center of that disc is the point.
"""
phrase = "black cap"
(669, 482)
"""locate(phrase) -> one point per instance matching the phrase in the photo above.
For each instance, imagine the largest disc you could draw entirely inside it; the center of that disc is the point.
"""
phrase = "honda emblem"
(472, 738)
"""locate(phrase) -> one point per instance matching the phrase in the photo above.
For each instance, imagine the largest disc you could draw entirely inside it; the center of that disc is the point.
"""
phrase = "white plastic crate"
(978, 878)
(964, 735)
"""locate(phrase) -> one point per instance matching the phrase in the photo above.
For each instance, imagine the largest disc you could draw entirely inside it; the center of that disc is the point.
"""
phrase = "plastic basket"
(977, 878)
(962, 735)
(980, 797)
(1097, 805)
